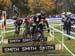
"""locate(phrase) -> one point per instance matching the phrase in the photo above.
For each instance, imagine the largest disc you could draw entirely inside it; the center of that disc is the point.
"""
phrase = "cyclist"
(18, 23)
(27, 24)
(43, 19)
(35, 21)
(37, 32)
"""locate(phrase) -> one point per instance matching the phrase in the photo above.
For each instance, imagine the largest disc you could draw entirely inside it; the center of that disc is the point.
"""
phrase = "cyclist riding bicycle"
(37, 31)
(35, 21)
(27, 24)
(45, 23)
(18, 23)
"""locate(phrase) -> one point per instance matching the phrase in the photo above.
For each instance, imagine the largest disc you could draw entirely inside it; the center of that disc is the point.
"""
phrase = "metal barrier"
(52, 29)
(52, 32)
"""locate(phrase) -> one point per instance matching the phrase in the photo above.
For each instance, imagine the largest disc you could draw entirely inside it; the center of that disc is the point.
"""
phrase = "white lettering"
(11, 49)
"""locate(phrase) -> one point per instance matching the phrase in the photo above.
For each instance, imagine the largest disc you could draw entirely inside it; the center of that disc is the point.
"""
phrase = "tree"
(22, 6)
(5, 3)
(38, 5)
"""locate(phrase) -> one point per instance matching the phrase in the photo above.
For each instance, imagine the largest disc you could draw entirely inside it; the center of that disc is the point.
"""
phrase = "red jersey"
(28, 19)
(43, 19)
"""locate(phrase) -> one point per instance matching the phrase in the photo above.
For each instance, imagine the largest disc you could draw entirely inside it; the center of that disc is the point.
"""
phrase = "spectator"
(4, 21)
(67, 26)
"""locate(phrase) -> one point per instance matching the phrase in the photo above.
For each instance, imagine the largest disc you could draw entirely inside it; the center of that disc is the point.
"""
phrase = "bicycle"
(38, 35)
(27, 31)
(17, 31)
(17, 23)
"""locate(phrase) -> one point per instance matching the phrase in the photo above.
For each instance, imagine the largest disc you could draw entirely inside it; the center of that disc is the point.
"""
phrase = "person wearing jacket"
(67, 26)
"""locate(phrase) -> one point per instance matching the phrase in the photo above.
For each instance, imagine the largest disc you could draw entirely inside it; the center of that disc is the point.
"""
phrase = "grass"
(69, 44)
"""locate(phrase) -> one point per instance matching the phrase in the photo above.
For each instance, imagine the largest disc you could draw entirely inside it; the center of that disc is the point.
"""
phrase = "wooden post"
(58, 47)
(49, 39)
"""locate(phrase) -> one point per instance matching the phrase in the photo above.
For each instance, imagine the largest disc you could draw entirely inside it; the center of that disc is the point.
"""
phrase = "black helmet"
(43, 13)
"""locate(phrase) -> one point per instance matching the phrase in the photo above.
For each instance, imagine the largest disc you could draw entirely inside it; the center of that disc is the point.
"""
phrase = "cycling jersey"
(28, 19)
(17, 25)
(43, 19)
(18, 22)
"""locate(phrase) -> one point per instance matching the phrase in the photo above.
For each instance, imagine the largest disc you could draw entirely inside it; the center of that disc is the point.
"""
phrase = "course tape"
(55, 30)
(10, 31)
(60, 41)
(62, 32)
(72, 32)
(68, 50)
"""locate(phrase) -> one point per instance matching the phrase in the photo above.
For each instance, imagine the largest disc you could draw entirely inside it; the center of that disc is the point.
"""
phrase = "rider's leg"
(18, 31)
(15, 34)
(41, 28)
(47, 26)
(33, 31)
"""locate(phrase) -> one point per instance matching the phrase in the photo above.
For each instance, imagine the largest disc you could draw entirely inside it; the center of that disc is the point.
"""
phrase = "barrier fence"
(52, 34)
